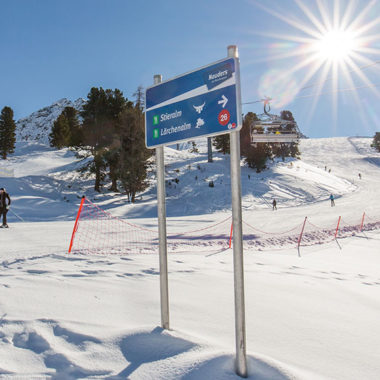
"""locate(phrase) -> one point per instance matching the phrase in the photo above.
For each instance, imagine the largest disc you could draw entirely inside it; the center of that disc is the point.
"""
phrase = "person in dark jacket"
(274, 204)
(332, 199)
(5, 202)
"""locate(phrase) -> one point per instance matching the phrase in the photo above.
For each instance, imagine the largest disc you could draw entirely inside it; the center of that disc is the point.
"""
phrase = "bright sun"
(335, 42)
(335, 46)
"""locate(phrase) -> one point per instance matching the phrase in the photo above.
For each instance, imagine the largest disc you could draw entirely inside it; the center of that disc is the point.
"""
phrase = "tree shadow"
(373, 160)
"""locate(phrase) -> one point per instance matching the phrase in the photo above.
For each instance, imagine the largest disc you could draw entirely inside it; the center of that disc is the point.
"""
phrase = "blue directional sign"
(204, 102)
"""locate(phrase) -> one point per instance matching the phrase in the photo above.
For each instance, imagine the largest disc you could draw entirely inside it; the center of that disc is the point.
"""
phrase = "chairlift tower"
(270, 128)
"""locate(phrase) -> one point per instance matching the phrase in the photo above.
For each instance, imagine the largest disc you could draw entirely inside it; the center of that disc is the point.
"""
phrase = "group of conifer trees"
(111, 128)
(7, 132)
(257, 155)
(376, 141)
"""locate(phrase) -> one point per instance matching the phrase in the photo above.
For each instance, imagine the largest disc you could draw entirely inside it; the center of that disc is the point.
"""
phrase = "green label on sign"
(156, 133)
(155, 120)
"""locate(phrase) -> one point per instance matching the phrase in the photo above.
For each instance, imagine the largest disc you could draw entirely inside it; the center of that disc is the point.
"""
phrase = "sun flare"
(336, 46)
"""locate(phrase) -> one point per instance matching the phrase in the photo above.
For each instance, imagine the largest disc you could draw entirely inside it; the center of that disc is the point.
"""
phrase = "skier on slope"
(332, 200)
(4, 206)
(274, 204)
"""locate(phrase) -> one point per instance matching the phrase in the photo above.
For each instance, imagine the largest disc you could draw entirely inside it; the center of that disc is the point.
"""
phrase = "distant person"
(4, 206)
(360, 176)
(325, 168)
(332, 200)
(274, 203)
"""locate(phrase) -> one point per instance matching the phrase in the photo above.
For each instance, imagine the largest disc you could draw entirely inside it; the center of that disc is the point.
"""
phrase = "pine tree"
(100, 129)
(256, 155)
(284, 150)
(194, 148)
(7, 132)
(139, 98)
(76, 134)
(95, 131)
(376, 141)
(293, 147)
(60, 132)
(66, 130)
(222, 143)
(134, 155)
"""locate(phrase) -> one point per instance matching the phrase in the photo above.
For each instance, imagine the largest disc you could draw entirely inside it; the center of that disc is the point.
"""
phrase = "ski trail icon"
(200, 122)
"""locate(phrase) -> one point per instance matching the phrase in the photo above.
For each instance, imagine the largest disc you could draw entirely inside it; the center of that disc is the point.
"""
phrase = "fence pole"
(76, 223)
(337, 227)
(232, 228)
(303, 227)
(361, 225)
(300, 237)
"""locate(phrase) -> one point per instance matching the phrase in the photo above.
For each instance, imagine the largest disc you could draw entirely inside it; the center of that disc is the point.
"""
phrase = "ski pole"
(269, 205)
(16, 215)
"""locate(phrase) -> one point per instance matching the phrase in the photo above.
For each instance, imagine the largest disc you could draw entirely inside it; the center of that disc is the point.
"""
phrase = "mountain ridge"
(37, 126)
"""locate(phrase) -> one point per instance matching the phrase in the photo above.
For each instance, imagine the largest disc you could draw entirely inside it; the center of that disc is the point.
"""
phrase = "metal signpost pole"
(241, 356)
(209, 149)
(161, 210)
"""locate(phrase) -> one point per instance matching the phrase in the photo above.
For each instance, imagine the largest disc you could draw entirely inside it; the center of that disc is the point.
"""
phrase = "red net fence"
(98, 232)
(314, 234)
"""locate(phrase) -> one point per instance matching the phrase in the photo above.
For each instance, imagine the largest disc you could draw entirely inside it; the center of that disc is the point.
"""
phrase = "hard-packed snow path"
(80, 316)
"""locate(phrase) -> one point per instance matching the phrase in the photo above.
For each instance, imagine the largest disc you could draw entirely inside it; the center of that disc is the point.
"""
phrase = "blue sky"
(54, 49)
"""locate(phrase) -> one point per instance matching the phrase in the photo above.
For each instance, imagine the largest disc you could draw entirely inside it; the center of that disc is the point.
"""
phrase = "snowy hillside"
(52, 176)
(37, 126)
(313, 316)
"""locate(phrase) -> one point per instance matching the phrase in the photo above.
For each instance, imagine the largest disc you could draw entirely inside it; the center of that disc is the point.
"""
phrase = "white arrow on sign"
(223, 101)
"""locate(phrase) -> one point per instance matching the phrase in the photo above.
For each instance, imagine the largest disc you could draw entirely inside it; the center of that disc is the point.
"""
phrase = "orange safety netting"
(98, 232)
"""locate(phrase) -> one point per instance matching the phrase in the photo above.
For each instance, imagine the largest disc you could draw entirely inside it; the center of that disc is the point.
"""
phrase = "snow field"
(76, 315)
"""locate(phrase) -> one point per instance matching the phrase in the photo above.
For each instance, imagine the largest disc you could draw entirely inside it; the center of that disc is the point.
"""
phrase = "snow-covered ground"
(86, 316)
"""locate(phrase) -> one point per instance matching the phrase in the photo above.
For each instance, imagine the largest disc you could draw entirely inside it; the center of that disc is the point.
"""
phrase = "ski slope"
(80, 316)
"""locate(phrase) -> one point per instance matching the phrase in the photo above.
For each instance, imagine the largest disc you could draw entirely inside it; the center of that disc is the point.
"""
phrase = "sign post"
(202, 103)
(161, 213)
(240, 337)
